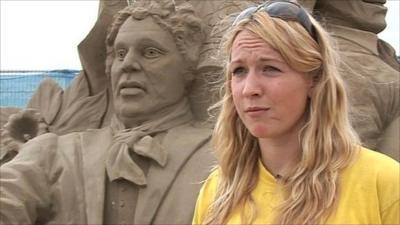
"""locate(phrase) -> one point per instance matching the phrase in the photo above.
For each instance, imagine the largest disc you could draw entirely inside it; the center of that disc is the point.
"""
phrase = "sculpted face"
(368, 15)
(147, 74)
(269, 96)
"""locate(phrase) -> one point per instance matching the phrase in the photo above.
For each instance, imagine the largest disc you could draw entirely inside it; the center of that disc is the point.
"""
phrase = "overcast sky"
(44, 35)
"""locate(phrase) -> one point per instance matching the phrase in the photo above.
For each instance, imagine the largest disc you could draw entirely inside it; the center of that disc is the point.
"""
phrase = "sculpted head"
(367, 15)
(153, 48)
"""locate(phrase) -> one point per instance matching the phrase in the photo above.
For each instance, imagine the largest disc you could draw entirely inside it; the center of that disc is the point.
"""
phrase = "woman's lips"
(256, 111)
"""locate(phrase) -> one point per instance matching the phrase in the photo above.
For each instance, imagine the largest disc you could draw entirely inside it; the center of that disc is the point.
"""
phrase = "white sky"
(44, 35)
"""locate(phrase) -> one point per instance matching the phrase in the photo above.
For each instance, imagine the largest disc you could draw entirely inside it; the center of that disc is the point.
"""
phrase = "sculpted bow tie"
(119, 163)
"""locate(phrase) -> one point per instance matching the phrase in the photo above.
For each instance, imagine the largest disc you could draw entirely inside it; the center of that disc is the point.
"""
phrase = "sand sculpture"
(370, 69)
(146, 167)
(63, 112)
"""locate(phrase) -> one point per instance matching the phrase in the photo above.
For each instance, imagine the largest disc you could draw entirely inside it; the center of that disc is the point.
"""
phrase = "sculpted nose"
(130, 63)
(252, 86)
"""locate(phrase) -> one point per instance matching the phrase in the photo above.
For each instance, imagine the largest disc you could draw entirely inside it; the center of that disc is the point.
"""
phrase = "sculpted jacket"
(373, 87)
(61, 179)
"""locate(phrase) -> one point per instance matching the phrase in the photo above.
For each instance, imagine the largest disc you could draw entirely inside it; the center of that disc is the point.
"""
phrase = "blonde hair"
(327, 139)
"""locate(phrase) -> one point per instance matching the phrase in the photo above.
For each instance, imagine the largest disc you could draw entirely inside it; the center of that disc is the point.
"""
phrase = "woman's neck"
(277, 154)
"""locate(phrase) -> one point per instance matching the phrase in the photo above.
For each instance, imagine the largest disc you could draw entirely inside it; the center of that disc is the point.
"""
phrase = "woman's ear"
(314, 79)
(310, 90)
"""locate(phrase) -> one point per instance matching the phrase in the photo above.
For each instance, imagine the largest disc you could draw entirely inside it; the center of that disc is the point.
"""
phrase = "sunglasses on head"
(283, 9)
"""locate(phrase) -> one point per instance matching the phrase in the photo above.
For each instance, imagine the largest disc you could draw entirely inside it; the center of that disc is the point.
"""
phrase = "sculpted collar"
(119, 163)
(365, 39)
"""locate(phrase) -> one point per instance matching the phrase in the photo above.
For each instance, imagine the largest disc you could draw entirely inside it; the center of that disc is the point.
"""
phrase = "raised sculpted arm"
(25, 193)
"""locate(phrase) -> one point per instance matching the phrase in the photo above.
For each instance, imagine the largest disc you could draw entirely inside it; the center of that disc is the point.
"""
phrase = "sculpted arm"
(24, 186)
(389, 141)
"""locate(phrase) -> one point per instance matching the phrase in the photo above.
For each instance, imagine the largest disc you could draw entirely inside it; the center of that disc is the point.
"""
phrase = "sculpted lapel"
(94, 145)
(159, 179)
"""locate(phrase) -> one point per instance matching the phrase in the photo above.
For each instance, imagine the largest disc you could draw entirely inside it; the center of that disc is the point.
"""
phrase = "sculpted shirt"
(369, 194)
(121, 196)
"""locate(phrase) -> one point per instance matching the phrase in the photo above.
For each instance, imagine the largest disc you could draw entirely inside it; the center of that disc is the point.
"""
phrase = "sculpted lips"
(130, 88)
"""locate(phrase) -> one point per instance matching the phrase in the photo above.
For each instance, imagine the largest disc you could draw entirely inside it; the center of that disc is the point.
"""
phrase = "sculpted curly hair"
(179, 20)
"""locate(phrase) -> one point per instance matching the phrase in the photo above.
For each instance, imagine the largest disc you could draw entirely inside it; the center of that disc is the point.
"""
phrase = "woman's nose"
(130, 63)
(252, 86)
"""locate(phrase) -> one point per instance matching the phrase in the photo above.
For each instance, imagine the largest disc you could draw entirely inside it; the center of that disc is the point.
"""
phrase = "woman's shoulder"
(376, 160)
(210, 183)
(370, 164)
(384, 172)
(209, 188)
(206, 197)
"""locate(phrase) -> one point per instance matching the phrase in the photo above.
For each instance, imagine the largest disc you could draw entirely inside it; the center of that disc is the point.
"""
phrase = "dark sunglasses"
(283, 9)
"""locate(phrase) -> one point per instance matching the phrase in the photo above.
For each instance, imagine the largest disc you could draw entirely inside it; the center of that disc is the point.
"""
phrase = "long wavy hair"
(328, 141)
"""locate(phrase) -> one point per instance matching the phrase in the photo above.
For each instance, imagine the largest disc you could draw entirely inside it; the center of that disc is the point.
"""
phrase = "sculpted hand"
(20, 128)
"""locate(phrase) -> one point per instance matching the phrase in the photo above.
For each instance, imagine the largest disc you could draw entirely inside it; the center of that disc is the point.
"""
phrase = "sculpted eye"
(121, 53)
(152, 52)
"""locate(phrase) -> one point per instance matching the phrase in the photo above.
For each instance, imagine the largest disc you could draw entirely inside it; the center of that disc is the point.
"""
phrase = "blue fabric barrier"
(17, 87)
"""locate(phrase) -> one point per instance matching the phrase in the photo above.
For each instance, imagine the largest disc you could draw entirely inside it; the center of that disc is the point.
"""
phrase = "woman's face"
(270, 97)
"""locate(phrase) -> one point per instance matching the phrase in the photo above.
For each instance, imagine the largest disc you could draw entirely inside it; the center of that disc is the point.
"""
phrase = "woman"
(287, 153)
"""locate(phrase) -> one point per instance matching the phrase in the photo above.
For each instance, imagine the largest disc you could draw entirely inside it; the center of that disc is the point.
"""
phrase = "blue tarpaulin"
(17, 87)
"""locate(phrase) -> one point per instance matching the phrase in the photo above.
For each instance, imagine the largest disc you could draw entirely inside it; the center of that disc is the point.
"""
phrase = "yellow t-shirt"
(369, 194)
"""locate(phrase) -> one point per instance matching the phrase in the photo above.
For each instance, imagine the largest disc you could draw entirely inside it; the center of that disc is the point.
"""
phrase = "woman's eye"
(121, 53)
(152, 52)
(238, 71)
(271, 69)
